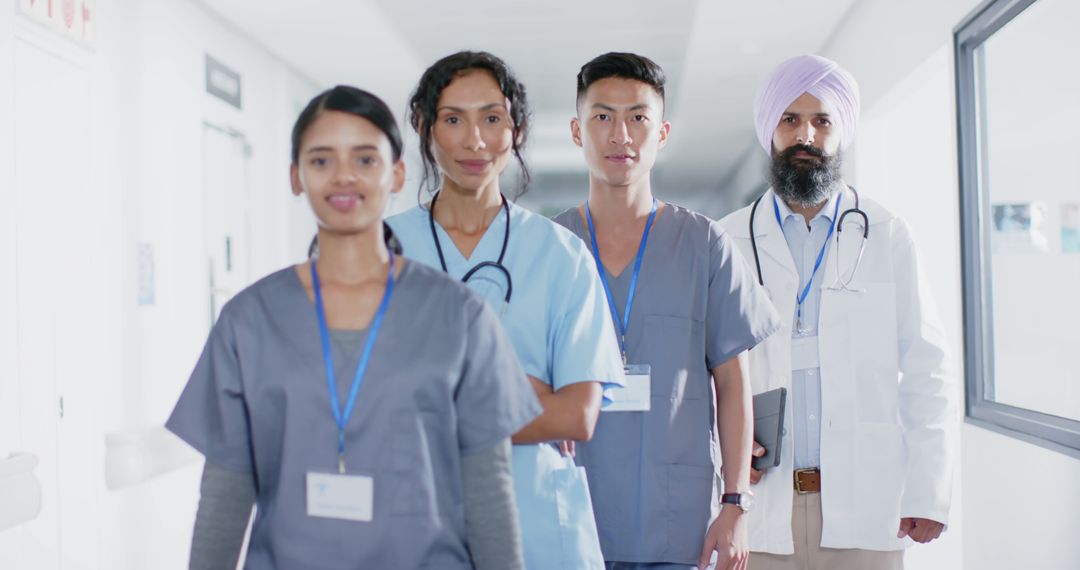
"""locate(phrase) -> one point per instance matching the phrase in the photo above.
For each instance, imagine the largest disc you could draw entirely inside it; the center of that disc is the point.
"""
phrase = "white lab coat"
(887, 394)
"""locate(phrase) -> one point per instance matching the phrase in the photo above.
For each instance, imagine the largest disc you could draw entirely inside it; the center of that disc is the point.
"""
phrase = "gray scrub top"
(695, 307)
(442, 382)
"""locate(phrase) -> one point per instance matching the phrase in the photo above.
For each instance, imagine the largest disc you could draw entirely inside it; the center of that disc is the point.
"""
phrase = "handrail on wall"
(136, 456)
(20, 490)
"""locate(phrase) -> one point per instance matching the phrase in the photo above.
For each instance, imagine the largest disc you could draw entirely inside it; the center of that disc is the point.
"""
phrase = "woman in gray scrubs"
(363, 402)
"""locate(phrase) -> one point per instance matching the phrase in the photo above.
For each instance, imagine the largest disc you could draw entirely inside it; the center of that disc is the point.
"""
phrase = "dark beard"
(804, 182)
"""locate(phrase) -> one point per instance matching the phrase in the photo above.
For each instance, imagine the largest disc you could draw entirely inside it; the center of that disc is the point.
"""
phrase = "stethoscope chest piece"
(495, 265)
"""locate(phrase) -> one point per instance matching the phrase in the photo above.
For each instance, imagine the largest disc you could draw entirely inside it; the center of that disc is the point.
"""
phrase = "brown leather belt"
(807, 481)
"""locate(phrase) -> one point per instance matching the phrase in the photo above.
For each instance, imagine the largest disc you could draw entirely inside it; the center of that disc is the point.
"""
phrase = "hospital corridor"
(512, 285)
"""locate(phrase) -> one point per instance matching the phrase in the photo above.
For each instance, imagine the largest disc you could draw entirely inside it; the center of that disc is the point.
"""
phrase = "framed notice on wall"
(223, 82)
(75, 19)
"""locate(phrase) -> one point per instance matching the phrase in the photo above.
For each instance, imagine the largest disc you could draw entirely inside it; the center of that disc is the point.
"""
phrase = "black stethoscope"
(498, 265)
(841, 285)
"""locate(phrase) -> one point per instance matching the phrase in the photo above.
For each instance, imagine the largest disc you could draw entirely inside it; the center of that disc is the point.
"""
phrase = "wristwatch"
(742, 500)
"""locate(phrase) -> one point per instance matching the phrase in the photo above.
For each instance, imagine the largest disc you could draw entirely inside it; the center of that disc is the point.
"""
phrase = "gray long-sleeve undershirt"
(491, 515)
(225, 502)
(491, 518)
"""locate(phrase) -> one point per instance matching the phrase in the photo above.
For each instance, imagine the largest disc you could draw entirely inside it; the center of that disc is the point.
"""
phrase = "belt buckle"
(798, 482)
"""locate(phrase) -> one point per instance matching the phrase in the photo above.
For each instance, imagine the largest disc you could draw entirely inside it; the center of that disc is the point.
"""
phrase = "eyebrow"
(638, 107)
(487, 107)
(790, 114)
(315, 149)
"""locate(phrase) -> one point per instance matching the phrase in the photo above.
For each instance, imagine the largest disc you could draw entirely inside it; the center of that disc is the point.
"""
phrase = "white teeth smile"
(344, 201)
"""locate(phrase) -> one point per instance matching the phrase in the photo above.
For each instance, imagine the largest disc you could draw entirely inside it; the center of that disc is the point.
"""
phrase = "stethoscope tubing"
(498, 265)
(839, 228)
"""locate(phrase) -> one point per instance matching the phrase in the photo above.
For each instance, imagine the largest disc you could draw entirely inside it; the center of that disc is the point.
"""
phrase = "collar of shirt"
(825, 214)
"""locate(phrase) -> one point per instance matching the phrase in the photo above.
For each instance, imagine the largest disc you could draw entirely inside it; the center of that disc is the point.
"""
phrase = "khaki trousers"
(809, 555)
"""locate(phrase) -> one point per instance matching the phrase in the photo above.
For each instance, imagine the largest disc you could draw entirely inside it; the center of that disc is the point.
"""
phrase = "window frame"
(1045, 430)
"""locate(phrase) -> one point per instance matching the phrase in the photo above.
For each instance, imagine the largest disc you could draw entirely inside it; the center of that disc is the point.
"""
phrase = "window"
(1018, 104)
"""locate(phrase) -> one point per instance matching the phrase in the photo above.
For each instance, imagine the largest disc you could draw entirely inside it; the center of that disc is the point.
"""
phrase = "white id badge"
(334, 496)
(804, 353)
(636, 396)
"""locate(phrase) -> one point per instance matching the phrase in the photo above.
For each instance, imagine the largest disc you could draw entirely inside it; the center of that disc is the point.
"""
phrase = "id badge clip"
(636, 396)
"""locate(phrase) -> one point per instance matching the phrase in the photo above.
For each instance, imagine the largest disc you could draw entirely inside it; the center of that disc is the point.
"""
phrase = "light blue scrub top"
(559, 323)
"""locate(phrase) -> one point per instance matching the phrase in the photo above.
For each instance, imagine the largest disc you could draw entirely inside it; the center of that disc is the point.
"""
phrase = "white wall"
(145, 108)
(919, 186)
(1019, 506)
(9, 402)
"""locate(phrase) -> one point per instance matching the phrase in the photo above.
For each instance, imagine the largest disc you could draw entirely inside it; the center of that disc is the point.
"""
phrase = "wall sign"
(222, 82)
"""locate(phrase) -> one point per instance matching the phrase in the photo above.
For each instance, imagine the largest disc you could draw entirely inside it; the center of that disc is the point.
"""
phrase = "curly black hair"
(423, 106)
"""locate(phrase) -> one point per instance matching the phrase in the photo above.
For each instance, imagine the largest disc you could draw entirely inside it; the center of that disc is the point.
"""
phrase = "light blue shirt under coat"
(805, 243)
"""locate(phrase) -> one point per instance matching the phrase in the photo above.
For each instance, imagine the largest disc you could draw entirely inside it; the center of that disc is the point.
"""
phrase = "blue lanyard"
(625, 321)
(341, 418)
(801, 297)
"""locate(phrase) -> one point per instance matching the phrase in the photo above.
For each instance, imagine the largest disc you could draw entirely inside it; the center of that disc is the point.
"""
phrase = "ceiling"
(714, 53)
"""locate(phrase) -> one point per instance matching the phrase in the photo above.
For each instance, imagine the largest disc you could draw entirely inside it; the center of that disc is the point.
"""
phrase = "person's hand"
(567, 448)
(755, 475)
(727, 536)
(920, 530)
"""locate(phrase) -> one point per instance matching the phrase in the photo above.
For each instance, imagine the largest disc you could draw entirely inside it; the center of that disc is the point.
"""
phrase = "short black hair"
(348, 99)
(423, 105)
(621, 65)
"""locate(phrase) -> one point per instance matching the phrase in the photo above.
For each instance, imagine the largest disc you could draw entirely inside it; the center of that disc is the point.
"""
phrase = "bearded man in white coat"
(867, 451)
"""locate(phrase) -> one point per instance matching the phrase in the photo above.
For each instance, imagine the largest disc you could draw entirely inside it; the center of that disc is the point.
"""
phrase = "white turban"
(818, 76)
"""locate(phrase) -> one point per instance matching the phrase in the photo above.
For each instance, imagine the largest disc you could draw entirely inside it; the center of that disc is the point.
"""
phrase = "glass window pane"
(1029, 86)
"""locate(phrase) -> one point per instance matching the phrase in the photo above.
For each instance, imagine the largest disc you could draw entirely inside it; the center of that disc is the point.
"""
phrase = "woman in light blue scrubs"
(471, 115)
(364, 402)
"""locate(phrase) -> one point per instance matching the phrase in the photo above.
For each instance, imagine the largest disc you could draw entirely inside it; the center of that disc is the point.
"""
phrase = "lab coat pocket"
(870, 314)
(410, 473)
(859, 328)
(577, 526)
(879, 479)
(689, 498)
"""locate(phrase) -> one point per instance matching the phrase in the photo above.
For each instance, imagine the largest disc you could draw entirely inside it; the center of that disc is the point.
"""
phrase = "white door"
(225, 209)
(59, 312)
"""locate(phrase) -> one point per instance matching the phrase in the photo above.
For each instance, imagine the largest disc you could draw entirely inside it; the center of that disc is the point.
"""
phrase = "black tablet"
(769, 426)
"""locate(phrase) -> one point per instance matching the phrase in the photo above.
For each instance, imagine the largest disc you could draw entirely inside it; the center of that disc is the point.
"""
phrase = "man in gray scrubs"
(686, 309)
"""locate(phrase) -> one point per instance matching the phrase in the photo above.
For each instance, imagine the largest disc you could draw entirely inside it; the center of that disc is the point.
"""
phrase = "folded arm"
(570, 413)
